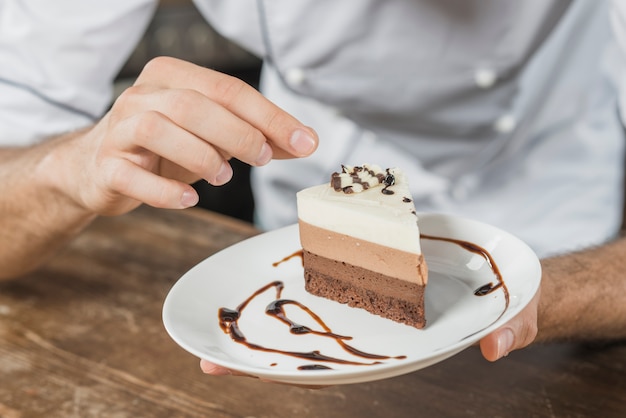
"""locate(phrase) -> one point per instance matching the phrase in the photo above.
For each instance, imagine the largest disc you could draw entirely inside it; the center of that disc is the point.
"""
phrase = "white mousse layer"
(384, 219)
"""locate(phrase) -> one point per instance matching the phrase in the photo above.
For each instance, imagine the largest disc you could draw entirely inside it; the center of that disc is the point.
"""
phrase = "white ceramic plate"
(456, 318)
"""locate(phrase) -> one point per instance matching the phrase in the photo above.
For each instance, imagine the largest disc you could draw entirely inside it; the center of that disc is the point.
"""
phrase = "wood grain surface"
(83, 337)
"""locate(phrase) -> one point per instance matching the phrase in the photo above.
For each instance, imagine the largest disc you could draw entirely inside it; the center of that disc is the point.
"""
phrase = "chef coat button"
(505, 124)
(295, 76)
(485, 77)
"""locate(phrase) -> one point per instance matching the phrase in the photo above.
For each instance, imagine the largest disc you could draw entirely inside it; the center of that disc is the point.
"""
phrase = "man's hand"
(177, 124)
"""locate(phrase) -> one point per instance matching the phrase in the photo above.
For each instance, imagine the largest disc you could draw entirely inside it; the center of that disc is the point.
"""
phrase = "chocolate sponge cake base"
(394, 299)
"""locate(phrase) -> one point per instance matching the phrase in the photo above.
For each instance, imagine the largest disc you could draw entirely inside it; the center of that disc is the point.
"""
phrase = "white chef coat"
(498, 110)
(58, 61)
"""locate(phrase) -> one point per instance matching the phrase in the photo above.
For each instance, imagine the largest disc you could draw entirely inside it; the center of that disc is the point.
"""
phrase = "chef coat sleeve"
(58, 61)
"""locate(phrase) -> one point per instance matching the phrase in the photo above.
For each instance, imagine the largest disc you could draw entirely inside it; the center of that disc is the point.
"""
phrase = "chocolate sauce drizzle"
(476, 249)
(229, 323)
(229, 318)
(289, 257)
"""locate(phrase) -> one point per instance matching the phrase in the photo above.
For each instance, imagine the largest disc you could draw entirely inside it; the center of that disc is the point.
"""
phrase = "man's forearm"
(36, 219)
(583, 295)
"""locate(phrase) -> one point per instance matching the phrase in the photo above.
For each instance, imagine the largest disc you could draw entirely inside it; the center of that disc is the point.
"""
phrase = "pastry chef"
(501, 111)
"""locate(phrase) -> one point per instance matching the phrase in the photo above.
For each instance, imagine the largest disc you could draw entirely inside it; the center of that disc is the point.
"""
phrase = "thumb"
(515, 334)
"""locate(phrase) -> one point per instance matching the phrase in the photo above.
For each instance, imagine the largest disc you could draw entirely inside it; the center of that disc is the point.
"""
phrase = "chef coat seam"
(265, 35)
(47, 99)
(270, 56)
(501, 59)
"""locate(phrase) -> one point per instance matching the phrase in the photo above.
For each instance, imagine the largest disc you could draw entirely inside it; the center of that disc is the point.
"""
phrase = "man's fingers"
(205, 119)
(178, 123)
(213, 369)
(302, 142)
(498, 344)
(515, 334)
(282, 130)
(156, 133)
(128, 179)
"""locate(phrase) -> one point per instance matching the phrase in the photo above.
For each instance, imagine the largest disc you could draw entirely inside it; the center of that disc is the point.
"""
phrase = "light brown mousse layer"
(394, 299)
(367, 255)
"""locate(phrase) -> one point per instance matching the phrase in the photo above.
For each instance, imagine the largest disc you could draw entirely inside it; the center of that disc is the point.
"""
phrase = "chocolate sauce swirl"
(476, 249)
(229, 323)
(229, 318)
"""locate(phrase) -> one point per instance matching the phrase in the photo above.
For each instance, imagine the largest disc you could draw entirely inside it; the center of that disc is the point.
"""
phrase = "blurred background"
(178, 30)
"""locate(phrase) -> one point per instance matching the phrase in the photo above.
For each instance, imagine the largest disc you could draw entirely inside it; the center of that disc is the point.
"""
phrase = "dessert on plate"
(361, 243)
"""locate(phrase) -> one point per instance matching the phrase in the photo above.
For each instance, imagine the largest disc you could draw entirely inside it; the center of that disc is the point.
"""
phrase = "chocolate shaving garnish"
(359, 178)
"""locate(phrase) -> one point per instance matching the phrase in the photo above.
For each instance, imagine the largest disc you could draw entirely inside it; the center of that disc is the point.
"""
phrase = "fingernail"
(189, 199)
(505, 342)
(224, 175)
(219, 371)
(302, 142)
(265, 156)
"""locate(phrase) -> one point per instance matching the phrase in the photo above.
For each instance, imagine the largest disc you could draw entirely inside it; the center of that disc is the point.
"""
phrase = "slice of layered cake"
(361, 243)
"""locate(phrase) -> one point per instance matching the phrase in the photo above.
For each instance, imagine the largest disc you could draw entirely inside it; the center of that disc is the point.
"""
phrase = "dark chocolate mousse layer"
(378, 294)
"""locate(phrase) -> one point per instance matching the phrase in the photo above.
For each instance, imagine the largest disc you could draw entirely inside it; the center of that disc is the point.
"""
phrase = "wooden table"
(83, 337)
